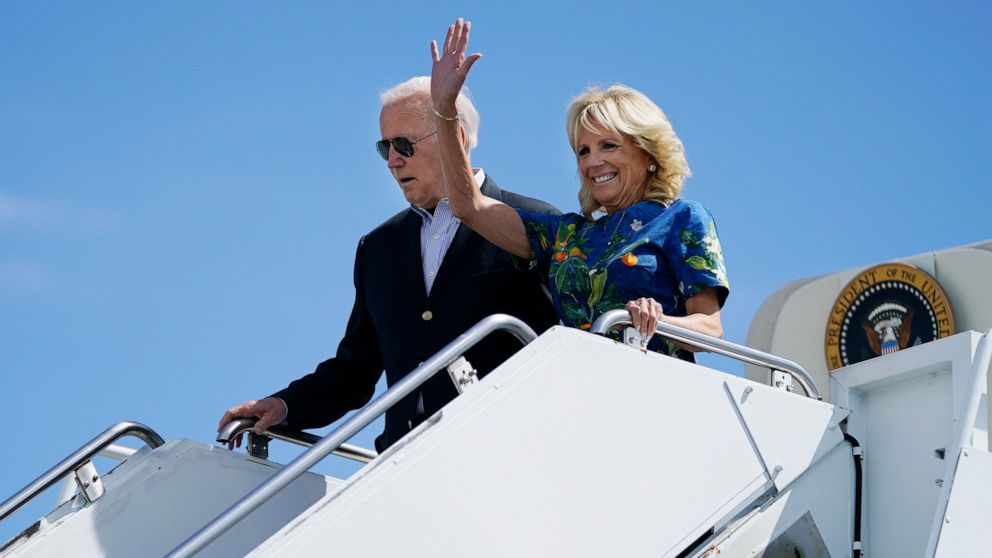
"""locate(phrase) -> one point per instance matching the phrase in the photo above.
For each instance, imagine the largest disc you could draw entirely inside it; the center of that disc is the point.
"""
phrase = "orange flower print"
(560, 256)
(629, 259)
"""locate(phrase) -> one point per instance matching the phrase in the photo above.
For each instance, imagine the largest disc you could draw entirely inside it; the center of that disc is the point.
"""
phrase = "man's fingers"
(434, 53)
(267, 419)
(231, 414)
(268, 411)
(224, 420)
(247, 409)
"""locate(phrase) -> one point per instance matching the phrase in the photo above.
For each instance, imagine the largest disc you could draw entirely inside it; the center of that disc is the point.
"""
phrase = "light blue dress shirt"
(436, 233)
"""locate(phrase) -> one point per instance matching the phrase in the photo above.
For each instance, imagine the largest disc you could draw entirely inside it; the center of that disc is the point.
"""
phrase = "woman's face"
(613, 167)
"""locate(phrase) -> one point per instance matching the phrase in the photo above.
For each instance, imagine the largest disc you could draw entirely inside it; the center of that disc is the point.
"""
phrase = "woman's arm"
(702, 315)
(495, 221)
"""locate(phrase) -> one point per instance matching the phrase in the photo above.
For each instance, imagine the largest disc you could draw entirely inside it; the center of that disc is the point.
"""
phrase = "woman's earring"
(652, 168)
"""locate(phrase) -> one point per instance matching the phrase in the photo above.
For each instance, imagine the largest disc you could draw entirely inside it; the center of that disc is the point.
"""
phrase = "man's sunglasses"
(402, 145)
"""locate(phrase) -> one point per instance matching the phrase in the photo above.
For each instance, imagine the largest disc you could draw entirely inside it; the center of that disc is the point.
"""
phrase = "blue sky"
(182, 185)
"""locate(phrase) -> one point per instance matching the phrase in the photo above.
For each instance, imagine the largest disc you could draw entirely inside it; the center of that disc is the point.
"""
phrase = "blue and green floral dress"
(648, 250)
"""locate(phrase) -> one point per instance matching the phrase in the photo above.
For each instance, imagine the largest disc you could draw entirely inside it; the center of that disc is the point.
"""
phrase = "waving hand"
(451, 67)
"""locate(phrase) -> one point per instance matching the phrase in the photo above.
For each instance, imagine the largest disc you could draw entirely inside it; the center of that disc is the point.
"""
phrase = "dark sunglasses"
(402, 145)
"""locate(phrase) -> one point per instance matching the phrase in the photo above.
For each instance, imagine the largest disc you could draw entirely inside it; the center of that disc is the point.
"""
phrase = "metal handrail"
(220, 524)
(69, 485)
(77, 459)
(242, 425)
(609, 320)
(964, 429)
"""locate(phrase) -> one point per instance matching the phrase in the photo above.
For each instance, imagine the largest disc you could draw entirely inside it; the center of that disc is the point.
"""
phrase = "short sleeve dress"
(668, 253)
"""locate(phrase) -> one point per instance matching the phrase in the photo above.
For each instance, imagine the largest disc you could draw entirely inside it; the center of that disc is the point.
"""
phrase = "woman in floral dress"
(650, 252)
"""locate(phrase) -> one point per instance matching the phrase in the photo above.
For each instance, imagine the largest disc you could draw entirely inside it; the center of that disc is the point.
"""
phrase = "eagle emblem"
(885, 309)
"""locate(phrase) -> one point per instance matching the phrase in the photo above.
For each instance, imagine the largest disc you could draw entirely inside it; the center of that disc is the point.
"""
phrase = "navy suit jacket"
(395, 325)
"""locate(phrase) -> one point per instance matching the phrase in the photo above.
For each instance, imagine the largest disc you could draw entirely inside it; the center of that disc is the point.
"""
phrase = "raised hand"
(451, 67)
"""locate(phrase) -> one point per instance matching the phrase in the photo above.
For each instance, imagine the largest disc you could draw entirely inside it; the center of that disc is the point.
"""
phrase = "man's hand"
(268, 411)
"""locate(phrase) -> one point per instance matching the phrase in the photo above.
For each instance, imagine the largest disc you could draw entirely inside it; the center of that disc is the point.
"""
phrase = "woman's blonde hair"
(624, 110)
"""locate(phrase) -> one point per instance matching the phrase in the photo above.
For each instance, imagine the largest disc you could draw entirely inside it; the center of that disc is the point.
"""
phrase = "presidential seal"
(884, 309)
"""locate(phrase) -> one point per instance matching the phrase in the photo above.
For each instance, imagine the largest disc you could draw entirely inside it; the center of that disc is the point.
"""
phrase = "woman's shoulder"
(688, 211)
(678, 210)
(682, 205)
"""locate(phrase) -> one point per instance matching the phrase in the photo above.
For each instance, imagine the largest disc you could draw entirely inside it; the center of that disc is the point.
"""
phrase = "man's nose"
(395, 160)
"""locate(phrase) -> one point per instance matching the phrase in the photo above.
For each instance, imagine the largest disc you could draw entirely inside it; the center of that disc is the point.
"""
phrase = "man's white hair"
(420, 88)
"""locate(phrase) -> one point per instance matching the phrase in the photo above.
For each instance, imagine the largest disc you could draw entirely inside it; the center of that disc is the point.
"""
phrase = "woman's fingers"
(636, 315)
(457, 38)
(463, 37)
(647, 324)
(448, 37)
(451, 65)
(651, 321)
(645, 313)
(471, 60)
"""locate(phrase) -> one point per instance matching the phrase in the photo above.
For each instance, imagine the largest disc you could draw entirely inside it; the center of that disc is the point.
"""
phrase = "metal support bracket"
(782, 380)
(258, 445)
(633, 338)
(89, 482)
(463, 374)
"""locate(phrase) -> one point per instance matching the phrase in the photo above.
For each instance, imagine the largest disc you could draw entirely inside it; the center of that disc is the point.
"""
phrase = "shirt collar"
(478, 174)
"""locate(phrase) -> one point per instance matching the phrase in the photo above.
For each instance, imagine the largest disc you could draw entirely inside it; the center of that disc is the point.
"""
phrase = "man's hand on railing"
(269, 411)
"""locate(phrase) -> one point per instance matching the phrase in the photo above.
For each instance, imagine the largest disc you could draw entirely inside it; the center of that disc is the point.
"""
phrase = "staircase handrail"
(609, 320)
(242, 425)
(77, 459)
(274, 484)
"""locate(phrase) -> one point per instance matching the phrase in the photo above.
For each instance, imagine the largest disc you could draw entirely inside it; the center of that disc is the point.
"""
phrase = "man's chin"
(419, 200)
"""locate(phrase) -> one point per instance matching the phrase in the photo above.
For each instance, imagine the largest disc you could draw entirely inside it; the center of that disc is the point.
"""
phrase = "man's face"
(419, 176)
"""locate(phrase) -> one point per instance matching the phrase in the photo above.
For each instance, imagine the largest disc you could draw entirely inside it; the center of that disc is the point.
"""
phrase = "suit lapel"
(409, 260)
(464, 245)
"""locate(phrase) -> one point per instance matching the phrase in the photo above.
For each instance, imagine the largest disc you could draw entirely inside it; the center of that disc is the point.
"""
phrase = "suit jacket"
(395, 325)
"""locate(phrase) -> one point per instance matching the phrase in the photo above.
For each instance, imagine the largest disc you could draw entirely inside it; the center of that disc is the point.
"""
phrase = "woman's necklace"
(616, 229)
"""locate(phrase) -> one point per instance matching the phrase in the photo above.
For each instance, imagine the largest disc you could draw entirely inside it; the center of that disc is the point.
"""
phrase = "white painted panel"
(790, 431)
(965, 528)
(825, 491)
(156, 499)
(577, 446)
(905, 422)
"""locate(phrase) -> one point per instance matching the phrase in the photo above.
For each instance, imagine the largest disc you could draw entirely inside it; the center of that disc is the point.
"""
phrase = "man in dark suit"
(421, 279)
